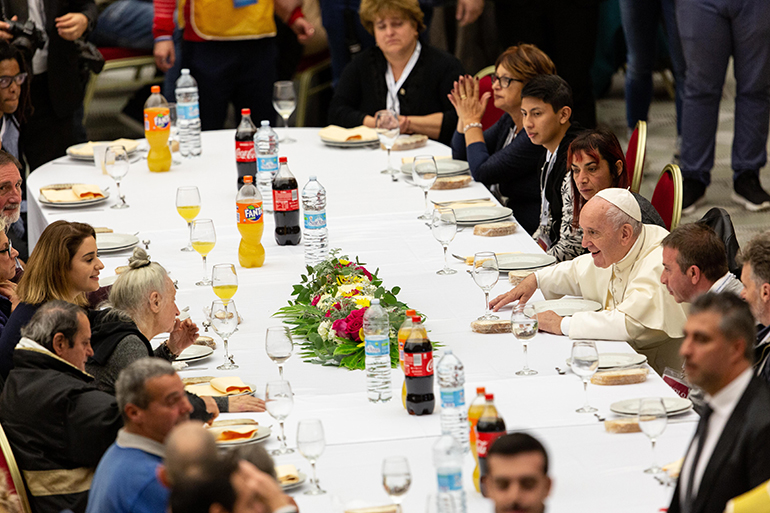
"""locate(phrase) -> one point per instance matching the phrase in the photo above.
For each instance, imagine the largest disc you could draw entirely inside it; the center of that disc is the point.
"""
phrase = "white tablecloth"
(375, 219)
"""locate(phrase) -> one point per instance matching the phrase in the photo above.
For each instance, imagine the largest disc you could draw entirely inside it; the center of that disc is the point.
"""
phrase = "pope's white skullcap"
(624, 200)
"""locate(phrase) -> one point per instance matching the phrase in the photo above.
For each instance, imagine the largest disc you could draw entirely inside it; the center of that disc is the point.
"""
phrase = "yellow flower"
(344, 262)
(362, 301)
(361, 334)
(361, 344)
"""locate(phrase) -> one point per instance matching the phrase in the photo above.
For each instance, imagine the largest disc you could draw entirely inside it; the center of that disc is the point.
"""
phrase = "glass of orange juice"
(203, 238)
(188, 204)
(224, 281)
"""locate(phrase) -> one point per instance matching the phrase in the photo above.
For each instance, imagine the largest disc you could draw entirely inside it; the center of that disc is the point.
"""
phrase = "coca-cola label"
(267, 163)
(679, 387)
(286, 200)
(315, 220)
(187, 110)
(249, 213)
(244, 151)
(417, 365)
(484, 441)
(377, 345)
(452, 397)
(449, 481)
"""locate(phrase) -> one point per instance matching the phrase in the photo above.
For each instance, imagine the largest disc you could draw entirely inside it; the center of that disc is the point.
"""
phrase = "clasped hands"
(465, 98)
(547, 321)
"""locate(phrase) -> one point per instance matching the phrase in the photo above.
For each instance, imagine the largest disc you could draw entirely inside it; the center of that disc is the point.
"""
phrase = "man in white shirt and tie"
(730, 452)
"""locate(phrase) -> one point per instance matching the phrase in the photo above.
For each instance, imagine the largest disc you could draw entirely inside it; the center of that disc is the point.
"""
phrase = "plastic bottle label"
(156, 120)
(377, 345)
(418, 365)
(249, 213)
(244, 151)
(449, 481)
(187, 110)
(452, 397)
(484, 441)
(315, 220)
(267, 163)
(285, 201)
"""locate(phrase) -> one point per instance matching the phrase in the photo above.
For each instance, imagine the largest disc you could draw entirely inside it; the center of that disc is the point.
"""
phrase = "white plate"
(111, 242)
(292, 486)
(350, 144)
(519, 261)
(90, 158)
(477, 215)
(263, 432)
(445, 167)
(70, 204)
(107, 280)
(194, 353)
(617, 360)
(566, 307)
(674, 406)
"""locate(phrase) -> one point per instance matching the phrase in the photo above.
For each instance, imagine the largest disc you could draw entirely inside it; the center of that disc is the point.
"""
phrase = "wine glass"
(585, 362)
(486, 273)
(224, 320)
(116, 164)
(386, 126)
(224, 281)
(284, 102)
(203, 238)
(652, 421)
(424, 174)
(188, 204)
(524, 327)
(279, 401)
(396, 478)
(278, 345)
(444, 227)
(173, 132)
(311, 444)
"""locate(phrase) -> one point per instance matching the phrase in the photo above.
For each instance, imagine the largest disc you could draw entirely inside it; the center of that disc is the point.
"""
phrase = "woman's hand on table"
(245, 403)
(465, 98)
(522, 292)
(550, 322)
(182, 336)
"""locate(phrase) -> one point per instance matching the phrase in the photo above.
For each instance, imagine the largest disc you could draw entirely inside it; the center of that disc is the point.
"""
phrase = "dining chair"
(635, 154)
(667, 196)
(12, 474)
(492, 113)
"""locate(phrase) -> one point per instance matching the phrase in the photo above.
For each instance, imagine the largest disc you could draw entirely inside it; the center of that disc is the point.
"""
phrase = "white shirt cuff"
(565, 325)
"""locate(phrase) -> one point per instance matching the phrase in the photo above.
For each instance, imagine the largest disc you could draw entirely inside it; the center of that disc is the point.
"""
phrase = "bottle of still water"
(448, 460)
(316, 234)
(377, 348)
(188, 115)
(451, 380)
(266, 145)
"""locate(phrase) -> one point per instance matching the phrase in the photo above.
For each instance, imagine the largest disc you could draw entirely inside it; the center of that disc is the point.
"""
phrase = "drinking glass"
(279, 401)
(173, 132)
(486, 273)
(278, 345)
(311, 444)
(224, 281)
(203, 239)
(284, 103)
(585, 362)
(524, 327)
(386, 126)
(444, 227)
(396, 478)
(116, 164)
(652, 421)
(424, 174)
(188, 205)
(224, 320)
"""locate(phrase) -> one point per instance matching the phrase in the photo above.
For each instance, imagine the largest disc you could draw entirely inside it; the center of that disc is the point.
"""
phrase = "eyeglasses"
(5, 82)
(504, 81)
(7, 250)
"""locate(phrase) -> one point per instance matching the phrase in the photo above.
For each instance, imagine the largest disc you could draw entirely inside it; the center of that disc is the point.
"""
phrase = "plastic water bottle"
(266, 144)
(188, 115)
(451, 380)
(377, 348)
(448, 460)
(316, 234)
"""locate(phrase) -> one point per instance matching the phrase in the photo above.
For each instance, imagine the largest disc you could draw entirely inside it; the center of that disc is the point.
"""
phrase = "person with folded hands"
(8, 297)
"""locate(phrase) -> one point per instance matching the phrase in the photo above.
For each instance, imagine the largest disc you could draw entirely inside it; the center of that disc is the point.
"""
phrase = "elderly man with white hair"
(621, 272)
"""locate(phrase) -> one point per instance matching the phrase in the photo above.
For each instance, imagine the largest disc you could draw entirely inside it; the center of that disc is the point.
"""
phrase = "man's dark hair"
(53, 317)
(736, 322)
(699, 245)
(513, 444)
(552, 89)
(196, 493)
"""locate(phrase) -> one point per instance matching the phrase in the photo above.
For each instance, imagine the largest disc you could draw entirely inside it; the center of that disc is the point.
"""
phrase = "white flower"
(323, 329)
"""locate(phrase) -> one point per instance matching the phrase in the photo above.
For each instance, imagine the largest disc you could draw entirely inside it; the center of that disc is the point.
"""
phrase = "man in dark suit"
(729, 453)
(755, 258)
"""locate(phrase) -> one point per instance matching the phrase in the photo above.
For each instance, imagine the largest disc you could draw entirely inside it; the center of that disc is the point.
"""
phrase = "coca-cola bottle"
(245, 154)
(488, 429)
(418, 370)
(286, 206)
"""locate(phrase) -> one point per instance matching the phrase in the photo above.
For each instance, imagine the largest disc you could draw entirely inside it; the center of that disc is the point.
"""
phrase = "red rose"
(354, 323)
(340, 327)
(315, 300)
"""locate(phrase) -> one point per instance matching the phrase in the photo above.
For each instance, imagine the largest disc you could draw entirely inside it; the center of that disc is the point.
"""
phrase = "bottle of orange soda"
(157, 127)
(474, 413)
(251, 224)
(403, 334)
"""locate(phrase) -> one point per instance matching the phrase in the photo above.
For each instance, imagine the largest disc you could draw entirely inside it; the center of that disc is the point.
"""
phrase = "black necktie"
(701, 433)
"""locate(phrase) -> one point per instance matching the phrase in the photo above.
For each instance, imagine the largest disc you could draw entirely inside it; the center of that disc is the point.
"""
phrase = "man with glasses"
(7, 272)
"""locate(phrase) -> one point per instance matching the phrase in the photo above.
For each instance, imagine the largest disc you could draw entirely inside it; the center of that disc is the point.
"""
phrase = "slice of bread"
(624, 425)
(495, 229)
(620, 377)
(497, 326)
(451, 182)
(409, 142)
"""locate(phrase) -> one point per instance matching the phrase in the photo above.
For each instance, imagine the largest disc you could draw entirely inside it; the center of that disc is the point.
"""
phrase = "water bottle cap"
(489, 397)
(313, 178)
(375, 302)
(282, 160)
(481, 390)
(416, 318)
(411, 313)
(155, 89)
(265, 122)
(245, 112)
(447, 351)
(248, 179)
(185, 71)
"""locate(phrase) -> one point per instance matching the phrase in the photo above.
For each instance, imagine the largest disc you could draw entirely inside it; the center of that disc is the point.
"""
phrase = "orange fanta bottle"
(157, 126)
(251, 224)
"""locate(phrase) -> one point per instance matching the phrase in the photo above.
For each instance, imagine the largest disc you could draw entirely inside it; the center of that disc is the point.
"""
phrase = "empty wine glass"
(396, 477)
(444, 227)
(585, 362)
(424, 174)
(311, 444)
(279, 401)
(224, 281)
(486, 273)
(278, 345)
(116, 164)
(284, 103)
(524, 327)
(224, 320)
(203, 238)
(388, 130)
(188, 205)
(652, 421)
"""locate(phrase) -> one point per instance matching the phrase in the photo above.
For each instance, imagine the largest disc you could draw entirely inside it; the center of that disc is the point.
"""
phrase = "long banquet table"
(373, 218)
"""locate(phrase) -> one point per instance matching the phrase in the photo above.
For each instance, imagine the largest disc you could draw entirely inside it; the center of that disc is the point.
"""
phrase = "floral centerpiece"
(327, 315)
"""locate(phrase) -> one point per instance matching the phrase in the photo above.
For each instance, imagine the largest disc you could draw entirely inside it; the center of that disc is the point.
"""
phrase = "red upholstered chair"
(492, 113)
(667, 196)
(10, 472)
(637, 149)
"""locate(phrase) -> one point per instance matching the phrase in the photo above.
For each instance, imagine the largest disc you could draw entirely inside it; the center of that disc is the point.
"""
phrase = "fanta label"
(157, 120)
(315, 220)
(244, 151)
(249, 213)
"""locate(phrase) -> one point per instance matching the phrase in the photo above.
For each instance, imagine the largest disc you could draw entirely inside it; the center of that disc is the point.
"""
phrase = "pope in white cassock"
(621, 271)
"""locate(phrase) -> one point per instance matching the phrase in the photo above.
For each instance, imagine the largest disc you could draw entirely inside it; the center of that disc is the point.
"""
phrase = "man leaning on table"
(755, 258)
(729, 452)
(621, 272)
